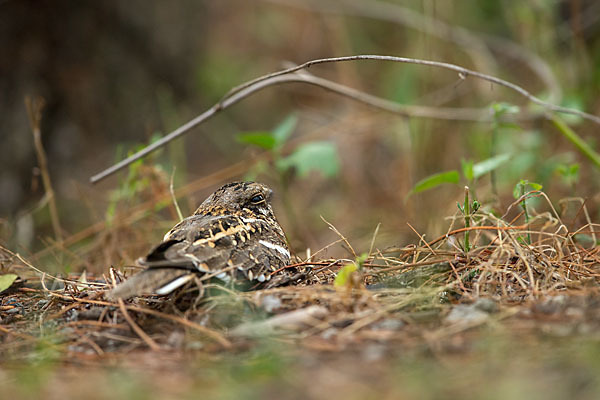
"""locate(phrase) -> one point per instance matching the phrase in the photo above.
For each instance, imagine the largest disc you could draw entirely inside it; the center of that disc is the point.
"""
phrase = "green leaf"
(436, 180)
(504, 108)
(6, 281)
(576, 140)
(521, 187)
(535, 186)
(509, 125)
(467, 169)
(343, 276)
(319, 156)
(518, 189)
(574, 169)
(283, 131)
(261, 139)
(576, 103)
(360, 260)
(486, 166)
(568, 173)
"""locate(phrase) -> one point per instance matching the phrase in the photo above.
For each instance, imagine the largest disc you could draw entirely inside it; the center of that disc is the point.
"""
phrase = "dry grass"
(392, 284)
(429, 296)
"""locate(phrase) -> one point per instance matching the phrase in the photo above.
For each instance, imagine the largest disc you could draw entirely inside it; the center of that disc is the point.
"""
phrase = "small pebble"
(389, 324)
(552, 304)
(466, 313)
(329, 333)
(374, 352)
(487, 305)
(42, 303)
(176, 339)
(72, 315)
(270, 303)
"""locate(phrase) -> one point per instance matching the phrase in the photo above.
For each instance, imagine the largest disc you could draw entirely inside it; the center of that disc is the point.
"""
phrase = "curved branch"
(463, 73)
(475, 44)
(240, 92)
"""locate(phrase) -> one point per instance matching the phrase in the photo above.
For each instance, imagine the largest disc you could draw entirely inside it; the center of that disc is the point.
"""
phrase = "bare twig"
(218, 337)
(475, 44)
(173, 197)
(139, 331)
(476, 228)
(246, 89)
(421, 238)
(463, 73)
(34, 111)
(335, 230)
(373, 239)
(44, 274)
(405, 110)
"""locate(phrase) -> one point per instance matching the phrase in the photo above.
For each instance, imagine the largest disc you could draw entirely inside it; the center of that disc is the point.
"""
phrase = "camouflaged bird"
(233, 236)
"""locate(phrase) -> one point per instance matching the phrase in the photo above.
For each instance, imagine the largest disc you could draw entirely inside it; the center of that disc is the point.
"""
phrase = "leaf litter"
(430, 295)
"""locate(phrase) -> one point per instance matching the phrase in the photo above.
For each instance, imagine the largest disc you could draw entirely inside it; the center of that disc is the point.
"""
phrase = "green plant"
(470, 171)
(344, 277)
(316, 155)
(569, 173)
(468, 209)
(519, 192)
(135, 182)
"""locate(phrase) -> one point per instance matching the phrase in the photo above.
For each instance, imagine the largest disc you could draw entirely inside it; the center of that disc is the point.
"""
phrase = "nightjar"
(233, 236)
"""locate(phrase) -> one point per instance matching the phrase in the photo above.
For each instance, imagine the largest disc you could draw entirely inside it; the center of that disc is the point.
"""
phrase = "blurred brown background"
(114, 74)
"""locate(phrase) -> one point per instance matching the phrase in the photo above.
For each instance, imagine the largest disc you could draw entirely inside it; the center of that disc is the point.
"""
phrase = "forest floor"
(515, 316)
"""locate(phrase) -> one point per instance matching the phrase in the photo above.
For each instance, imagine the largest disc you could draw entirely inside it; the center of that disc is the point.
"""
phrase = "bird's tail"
(154, 280)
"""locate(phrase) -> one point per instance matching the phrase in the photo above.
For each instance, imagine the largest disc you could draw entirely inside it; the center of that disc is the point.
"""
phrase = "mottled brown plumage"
(233, 236)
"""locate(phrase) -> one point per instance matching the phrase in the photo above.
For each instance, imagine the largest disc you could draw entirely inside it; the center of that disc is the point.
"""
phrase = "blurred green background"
(116, 75)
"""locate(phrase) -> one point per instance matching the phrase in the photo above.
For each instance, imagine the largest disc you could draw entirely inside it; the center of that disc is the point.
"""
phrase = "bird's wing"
(201, 242)
(156, 280)
(227, 246)
(259, 258)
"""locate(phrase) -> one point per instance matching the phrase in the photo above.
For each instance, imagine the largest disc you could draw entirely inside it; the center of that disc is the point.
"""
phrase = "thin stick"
(405, 110)
(139, 331)
(312, 256)
(477, 228)
(179, 214)
(463, 73)
(421, 238)
(474, 43)
(208, 332)
(333, 228)
(17, 334)
(255, 85)
(373, 239)
(404, 266)
(44, 274)
(34, 111)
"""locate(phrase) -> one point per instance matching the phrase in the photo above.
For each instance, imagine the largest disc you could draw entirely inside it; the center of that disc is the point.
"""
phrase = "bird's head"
(248, 199)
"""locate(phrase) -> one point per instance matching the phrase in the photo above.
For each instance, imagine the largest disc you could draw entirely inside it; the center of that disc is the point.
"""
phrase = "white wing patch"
(277, 247)
(174, 284)
(223, 276)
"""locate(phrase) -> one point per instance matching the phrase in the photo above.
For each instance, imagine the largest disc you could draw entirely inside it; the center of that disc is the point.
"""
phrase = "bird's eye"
(259, 198)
